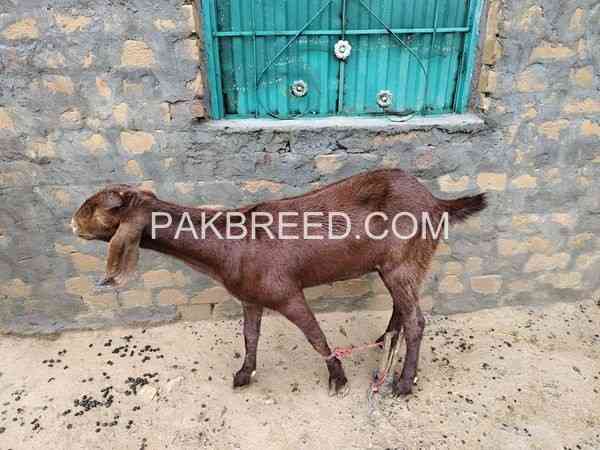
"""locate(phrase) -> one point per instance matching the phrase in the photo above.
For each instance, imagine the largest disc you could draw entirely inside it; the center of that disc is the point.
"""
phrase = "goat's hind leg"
(252, 320)
(297, 311)
(404, 291)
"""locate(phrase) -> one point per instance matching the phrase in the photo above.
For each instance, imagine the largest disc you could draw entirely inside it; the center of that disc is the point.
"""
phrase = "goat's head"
(100, 215)
(115, 214)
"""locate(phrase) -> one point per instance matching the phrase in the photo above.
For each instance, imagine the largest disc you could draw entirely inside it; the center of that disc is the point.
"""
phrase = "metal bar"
(342, 63)
(214, 66)
(239, 59)
(290, 42)
(435, 23)
(469, 56)
(221, 34)
(254, 56)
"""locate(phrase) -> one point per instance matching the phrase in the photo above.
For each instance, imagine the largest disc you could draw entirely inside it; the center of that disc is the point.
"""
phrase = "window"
(308, 58)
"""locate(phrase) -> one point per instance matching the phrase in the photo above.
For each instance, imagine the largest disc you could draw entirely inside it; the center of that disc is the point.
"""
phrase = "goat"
(262, 271)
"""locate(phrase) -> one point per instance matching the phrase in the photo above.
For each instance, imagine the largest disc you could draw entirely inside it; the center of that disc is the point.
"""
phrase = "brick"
(583, 77)
(189, 17)
(582, 50)
(6, 121)
(120, 113)
(165, 24)
(95, 143)
(15, 288)
(530, 113)
(227, 309)
(197, 109)
(492, 181)
(589, 128)
(62, 249)
(191, 50)
(133, 168)
(453, 268)
(163, 278)
(59, 84)
(137, 142)
(448, 184)
(317, 292)
(71, 117)
(451, 285)
(488, 81)
(536, 244)
(212, 295)
(86, 263)
(524, 182)
(136, 297)
(511, 247)
(328, 164)
(172, 297)
(185, 187)
(552, 129)
(255, 186)
(382, 302)
(564, 219)
(133, 89)
(587, 260)
(562, 280)
(23, 29)
(88, 60)
(350, 288)
(102, 87)
(62, 197)
(486, 284)
(105, 301)
(529, 81)
(70, 24)
(55, 60)
(473, 264)
(532, 16)
(521, 286)
(549, 51)
(539, 262)
(137, 54)
(577, 22)
(41, 148)
(524, 220)
(443, 249)
(165, 112)
(579, 241)
(197, 86)
(194, 313)
(79, 286)
(587, 106)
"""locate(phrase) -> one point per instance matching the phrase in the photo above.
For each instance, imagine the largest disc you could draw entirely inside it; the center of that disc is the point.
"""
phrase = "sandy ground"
(505, 378)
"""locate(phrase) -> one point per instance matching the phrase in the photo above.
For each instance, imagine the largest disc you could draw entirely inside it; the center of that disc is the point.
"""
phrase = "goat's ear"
(113, 200)
(123, 254)
(120, 197)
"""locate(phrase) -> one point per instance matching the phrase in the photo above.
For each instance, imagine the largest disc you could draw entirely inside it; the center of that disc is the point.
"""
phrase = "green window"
(310, 58)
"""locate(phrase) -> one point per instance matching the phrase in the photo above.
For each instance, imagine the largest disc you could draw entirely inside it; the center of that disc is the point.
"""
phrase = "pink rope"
(343, 352)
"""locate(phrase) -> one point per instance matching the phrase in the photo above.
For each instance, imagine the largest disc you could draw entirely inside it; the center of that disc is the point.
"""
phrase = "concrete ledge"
(448, 122)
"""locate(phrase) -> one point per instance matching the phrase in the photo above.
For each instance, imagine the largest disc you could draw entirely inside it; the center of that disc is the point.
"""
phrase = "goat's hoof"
(242, 378)
(338, 387)
(401, 387)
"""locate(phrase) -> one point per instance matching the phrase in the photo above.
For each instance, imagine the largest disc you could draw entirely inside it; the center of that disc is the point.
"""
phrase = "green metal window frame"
(212, 36)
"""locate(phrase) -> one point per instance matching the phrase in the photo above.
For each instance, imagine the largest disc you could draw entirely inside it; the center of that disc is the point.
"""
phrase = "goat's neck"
(207, 253)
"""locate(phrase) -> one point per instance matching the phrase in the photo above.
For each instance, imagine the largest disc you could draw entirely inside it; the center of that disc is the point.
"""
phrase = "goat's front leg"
(252, 319)
(297, 311)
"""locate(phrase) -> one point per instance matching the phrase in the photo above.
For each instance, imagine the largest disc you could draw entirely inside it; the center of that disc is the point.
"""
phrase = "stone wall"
(100, 92)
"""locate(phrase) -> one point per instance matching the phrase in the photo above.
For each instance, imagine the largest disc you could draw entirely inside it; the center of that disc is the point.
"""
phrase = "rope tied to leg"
(387, 364)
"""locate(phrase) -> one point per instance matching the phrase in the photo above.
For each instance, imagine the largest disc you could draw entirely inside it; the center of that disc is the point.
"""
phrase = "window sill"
(448, 122)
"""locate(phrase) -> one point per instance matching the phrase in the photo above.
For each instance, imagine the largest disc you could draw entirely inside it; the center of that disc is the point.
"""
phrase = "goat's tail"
(462, 208)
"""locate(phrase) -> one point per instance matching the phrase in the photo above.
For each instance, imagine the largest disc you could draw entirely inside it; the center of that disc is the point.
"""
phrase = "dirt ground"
(504, 378)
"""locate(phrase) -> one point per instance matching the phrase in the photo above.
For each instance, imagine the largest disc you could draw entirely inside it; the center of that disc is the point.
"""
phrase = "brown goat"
(263, 271)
